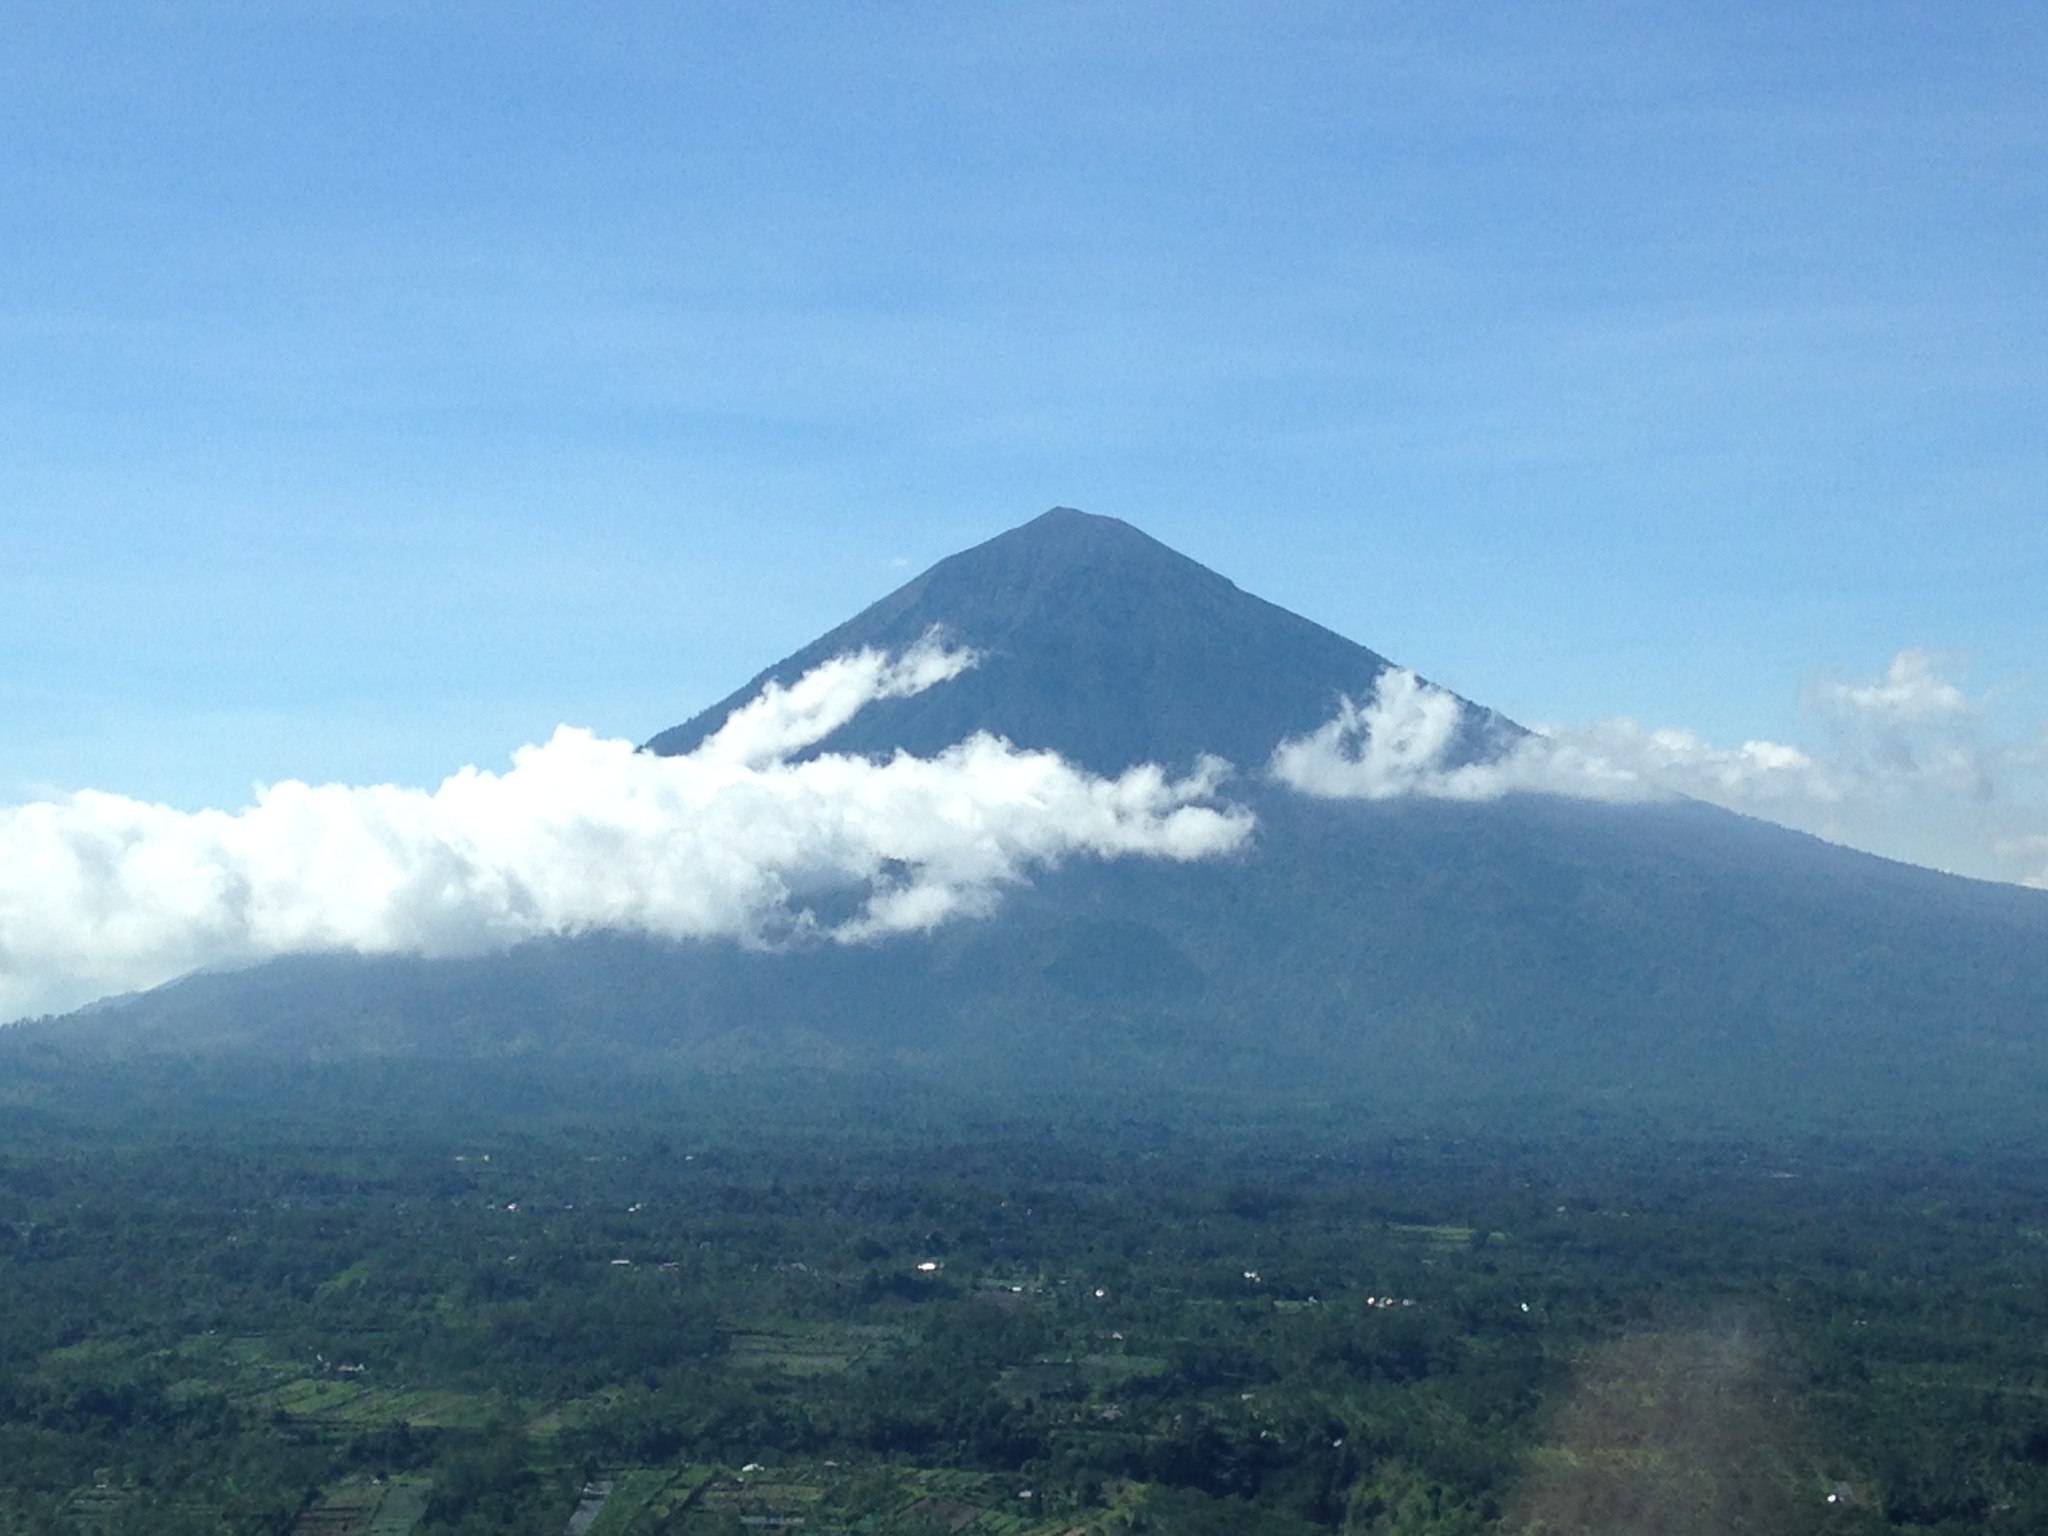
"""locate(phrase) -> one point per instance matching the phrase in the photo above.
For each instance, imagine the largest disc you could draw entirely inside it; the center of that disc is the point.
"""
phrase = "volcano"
(1524, 959)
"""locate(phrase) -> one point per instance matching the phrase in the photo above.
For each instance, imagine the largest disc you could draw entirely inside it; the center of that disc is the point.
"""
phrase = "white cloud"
(1911, 691)
(1395, 745)
(1909, 769)
(782, 720)
(100, 893)
(740, 840)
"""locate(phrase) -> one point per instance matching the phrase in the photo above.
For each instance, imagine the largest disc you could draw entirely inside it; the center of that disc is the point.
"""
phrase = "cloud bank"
(747, 839)
(102, 894)
(1910, 767)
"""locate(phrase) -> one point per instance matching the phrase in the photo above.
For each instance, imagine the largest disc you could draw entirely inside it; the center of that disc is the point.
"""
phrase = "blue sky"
(381, 385)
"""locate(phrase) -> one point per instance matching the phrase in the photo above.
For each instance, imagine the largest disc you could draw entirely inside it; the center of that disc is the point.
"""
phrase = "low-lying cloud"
(739, 839)
(748, 838)
(1909, 767)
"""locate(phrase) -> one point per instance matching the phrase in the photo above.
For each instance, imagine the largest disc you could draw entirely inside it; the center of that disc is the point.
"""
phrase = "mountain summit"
(1100, 643)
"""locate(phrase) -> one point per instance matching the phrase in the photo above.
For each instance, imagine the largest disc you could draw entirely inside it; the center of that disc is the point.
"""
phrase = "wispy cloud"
(1908, 766)
(100, 893)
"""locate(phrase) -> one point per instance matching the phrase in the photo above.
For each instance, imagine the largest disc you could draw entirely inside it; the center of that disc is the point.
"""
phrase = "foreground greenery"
(678, 1321)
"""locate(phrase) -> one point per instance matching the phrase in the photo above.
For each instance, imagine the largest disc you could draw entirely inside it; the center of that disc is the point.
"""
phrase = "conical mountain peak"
(1536, 957)
(1098, 642)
